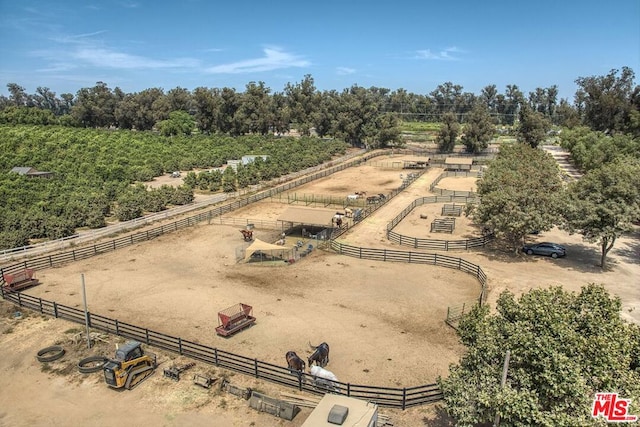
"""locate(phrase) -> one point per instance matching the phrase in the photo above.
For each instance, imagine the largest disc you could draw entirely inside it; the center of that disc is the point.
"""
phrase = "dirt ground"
(384, 321)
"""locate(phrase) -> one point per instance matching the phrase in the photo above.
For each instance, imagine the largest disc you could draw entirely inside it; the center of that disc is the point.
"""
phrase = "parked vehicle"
(553, 250)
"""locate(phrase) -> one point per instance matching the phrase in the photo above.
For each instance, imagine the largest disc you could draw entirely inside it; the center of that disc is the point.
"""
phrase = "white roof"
(361, 412)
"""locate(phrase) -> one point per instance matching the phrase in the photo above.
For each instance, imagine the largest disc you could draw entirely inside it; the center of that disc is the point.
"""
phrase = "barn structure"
(458, 163)
(308, 222)
(30, 172)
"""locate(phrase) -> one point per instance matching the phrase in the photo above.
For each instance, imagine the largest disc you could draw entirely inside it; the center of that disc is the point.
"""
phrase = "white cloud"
(343, 71)
(274, 59)
(81, 50)
(111, 59)
(446, 54)
(130, 5)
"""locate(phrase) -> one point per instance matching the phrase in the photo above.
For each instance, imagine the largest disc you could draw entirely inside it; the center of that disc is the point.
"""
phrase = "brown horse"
(294, 362)
(320, 355)
(247, 234)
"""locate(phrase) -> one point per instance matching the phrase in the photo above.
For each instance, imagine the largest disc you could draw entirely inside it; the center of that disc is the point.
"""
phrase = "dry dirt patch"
(369, 312)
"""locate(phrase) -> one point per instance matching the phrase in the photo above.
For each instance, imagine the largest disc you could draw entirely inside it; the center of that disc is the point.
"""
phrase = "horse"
(371, 200)
(294, 362)
(247, 234)
(323, 379)
(320, 354)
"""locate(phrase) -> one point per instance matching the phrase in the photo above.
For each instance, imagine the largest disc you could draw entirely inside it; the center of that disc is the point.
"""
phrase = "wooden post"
(86, 312)
(404, 399)
(505, 368)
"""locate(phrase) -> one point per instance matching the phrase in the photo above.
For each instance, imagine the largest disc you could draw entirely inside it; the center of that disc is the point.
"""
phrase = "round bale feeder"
(19, 280)
(234, 319)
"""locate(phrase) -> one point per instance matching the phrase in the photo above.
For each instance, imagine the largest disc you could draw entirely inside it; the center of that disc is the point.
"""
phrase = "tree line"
(360, 116)
(87, 140)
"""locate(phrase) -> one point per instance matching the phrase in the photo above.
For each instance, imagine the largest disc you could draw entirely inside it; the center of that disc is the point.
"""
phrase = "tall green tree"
(18, 95)
(324, 118)
(488, 96)
(386, 132)
(356, 115)
(532, 127)
(478, 130)
(603, 204)
(179, 99)
(514, 99)
(521, 191)
(179, 123)
(207, 109)
(591, 149)
(564, 347)
(255, 112)
(608, 100)
(301, 105)
(95, 107)
(448, 133)
(445, 97)
(229, 181)
(566, 115)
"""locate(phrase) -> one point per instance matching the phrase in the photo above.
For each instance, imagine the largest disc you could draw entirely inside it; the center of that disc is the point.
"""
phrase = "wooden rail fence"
(400, 398)
(415, 258)
(385, 396)
(434, 244)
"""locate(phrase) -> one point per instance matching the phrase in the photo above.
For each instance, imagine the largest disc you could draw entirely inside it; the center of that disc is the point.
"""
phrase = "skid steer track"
(137, 375)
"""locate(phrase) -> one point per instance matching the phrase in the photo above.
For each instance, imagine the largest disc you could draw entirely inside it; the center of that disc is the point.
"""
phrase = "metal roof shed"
(360, 413)
(308, 216)
(458, 163)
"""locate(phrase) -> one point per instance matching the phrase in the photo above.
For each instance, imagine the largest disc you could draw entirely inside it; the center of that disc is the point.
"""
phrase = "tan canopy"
(259, 245)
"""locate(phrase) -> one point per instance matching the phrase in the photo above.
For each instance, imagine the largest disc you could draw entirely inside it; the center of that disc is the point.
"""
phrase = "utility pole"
(505, 368)
(86, 312)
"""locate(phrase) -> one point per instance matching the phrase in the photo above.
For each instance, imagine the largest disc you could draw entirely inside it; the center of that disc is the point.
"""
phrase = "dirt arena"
(384, 321)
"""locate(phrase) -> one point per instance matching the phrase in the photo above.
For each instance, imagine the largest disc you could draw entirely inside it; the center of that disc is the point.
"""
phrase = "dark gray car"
(545, 248)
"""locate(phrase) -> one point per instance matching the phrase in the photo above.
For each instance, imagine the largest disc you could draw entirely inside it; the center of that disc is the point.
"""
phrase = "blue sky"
(416, 45)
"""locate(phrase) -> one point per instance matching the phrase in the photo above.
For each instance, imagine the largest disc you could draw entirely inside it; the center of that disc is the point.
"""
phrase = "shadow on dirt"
(441, 419)
(584, 258)
(629, 249)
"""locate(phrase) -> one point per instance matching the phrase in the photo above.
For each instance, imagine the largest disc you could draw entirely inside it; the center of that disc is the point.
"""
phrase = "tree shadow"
(580, 257)
(629, 251)
(440, 419)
